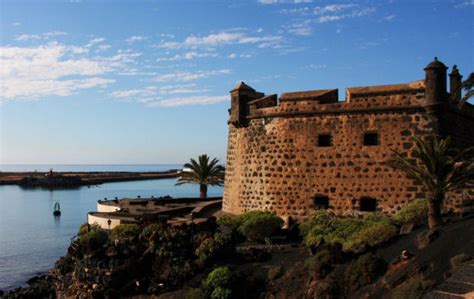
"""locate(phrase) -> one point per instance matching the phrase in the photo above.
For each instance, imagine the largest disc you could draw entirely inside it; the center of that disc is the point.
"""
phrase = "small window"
(371, 139)
(321, 202)
(367, 204)
(324, 140)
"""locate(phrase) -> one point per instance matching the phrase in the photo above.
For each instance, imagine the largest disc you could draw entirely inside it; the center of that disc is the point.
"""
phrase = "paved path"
(460, 285)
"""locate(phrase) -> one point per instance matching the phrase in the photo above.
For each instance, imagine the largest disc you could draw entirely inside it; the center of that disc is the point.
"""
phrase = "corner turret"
(241, 95)
(435, 82)
(455, 82)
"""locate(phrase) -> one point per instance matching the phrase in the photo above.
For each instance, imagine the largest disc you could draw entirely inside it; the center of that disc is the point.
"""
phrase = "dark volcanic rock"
(57, 181)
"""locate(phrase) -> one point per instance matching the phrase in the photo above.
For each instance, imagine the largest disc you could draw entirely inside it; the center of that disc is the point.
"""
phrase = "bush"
(219, 277)
(416, 211)
(94, 239)
(83, 229)
(126, 231)
(257, 226)
(373, 230)
(274, 272)
(374, 234)
(221, 293)
(363, 271)
(320, 263)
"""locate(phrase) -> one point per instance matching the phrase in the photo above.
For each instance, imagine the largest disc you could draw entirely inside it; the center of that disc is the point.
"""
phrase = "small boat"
(57, 209)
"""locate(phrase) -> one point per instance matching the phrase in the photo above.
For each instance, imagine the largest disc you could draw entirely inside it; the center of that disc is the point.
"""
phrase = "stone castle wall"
(274, 161)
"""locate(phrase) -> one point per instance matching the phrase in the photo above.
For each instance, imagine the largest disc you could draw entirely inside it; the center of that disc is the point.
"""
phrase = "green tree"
(439, 168)
(468, 86)
(204, 172)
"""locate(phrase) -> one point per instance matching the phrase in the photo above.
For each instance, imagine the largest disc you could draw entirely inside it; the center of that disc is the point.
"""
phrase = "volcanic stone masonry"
(310, 151)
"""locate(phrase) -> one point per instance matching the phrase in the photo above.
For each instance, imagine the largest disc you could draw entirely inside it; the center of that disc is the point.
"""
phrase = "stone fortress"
(308, 151)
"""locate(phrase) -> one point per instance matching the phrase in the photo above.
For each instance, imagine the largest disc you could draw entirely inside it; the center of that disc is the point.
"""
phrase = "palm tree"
(439, 169)
(468, 86)
(202, 172)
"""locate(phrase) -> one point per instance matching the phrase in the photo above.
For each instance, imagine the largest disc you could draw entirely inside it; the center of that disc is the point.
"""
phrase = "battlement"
(247, 103)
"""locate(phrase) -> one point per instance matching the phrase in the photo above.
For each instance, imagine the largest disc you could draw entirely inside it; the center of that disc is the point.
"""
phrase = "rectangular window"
(324, 140)
(321, 202)
(371, 139)
(367, 204)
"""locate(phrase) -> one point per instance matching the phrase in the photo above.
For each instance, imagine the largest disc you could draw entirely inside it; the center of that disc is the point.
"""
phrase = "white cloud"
(16, 24)
(188, 56)
(319, 10)
(221, 38)
(54, 33)
(166, 35)
(302, 29)
(180, 89)
(464, 4)
(283, 1)
(94, 42)
(27, 37)
(135, 38)
(191, 100)
(189, 76)
(104, 47)
(54, 69)
(391, 17)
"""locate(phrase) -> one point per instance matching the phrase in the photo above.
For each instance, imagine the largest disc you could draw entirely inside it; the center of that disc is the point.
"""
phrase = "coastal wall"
(102, 222)
(311, 152)
(105, 208)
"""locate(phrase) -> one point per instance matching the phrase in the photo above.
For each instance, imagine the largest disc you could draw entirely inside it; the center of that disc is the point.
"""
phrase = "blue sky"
(104, 82)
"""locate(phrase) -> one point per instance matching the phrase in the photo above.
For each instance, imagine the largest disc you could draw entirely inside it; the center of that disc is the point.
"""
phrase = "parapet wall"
(274, 161)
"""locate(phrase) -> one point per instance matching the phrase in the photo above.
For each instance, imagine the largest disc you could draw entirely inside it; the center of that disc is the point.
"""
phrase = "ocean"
(31, 239)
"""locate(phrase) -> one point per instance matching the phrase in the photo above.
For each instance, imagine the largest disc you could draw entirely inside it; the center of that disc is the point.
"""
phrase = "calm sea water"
(31, 239)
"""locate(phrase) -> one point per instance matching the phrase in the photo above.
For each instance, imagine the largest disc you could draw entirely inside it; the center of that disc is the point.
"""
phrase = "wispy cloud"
(331, 13)
(283, 1)
(389, 17)
(188, 56)
(302, 29)
(189, 76)
(55, 69)
(16, 24)
(27, 37)
(464, 3)
(94, 41)
(191, 100)
(135, 38)
(223, 38)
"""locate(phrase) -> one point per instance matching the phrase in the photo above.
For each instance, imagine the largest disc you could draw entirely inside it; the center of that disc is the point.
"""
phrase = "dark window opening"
(324, 140)
(367, 204)
(321, 202)
(371, 139)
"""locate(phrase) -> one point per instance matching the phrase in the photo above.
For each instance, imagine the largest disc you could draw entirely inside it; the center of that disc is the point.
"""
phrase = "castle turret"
(455, 82)
(241, 94)
(435, 82)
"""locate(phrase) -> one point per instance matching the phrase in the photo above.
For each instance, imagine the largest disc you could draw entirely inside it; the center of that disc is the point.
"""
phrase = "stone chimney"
(435, 78)
(455, 82)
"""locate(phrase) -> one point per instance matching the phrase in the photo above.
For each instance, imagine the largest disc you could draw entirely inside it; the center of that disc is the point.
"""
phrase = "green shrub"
(126, 231)
(414, 288)
(219, 277)
(363, 271)
(320, 263)
(373, 230)
(232, 222)
(221, 293)
(373, 234)
(83, 229)
(196, 293)
(274, 272)
(257, 225)
(416, 211)
(94, 239)
(459, 260)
